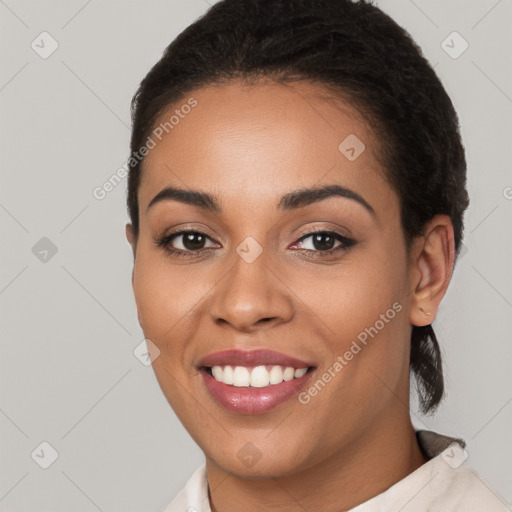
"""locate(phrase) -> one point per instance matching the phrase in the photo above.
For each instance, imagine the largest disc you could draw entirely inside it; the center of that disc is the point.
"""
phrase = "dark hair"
(358, 52)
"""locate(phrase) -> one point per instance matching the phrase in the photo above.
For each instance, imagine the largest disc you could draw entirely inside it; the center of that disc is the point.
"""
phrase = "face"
(323, 278)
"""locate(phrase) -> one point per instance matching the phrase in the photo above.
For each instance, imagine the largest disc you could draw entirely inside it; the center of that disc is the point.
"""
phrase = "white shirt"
(446, 483)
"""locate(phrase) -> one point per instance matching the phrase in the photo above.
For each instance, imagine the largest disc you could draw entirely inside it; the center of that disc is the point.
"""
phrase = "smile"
(253, 381)
(256, 390)
(257, 377)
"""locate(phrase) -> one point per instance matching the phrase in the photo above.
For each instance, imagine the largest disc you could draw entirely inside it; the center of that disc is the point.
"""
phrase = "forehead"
(259, 142)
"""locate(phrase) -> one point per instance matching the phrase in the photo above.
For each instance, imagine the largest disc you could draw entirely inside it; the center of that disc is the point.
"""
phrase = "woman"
(296, 197)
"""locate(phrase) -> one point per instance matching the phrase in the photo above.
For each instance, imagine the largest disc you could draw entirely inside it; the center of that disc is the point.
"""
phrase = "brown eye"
(192, 240)
(324, 242)
(184, 243)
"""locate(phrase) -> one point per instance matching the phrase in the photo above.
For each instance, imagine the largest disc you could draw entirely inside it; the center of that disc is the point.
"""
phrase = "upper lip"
(235, 357)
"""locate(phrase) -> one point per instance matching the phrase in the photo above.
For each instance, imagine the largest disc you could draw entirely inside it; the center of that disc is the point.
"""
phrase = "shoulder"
(446, 483)
(194, 496)
(455, 486)
(462, 489)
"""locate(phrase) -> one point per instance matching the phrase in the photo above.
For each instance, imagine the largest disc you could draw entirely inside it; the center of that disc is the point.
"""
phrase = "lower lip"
(249, 400)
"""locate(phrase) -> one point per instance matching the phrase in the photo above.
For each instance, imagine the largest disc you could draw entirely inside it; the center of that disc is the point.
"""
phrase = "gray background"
(68, 374)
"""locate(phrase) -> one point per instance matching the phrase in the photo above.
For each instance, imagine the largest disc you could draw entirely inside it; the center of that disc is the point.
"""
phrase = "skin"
(249, 145)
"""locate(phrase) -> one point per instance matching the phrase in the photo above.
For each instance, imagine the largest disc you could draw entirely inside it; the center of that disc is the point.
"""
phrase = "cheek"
(363, 305)
(169, 299)
(163, 302)
(160, 299)
(352, 295)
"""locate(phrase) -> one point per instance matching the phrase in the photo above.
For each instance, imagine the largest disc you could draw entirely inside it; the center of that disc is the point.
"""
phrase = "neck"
(375, 461)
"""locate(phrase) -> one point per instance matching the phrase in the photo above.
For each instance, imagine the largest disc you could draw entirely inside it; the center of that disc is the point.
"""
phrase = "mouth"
(254, 390)
(261, 376)
(253, 381)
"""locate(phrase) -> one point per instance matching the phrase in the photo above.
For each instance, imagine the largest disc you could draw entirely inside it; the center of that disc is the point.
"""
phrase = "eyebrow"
(291, 201)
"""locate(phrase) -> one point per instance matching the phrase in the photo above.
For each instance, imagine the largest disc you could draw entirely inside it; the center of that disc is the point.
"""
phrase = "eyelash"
(163, 243)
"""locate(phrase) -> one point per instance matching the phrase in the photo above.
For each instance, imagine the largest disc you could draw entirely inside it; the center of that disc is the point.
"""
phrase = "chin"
(252, 461)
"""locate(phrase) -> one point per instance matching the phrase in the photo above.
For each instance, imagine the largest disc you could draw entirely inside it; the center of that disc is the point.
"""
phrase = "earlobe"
(433, 270)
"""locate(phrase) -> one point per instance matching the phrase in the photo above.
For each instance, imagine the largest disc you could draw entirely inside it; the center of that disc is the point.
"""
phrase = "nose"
(251, 296)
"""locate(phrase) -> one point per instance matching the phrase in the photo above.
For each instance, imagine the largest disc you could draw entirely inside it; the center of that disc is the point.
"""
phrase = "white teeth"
(217, 373)
(227, 376)
(276, 375)
(289, 373)
(258, 377)
(300, 372)
(241, 376)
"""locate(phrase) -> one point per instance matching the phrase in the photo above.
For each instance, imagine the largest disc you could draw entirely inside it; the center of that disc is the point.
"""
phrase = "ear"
(433, 257)
(131, 237)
